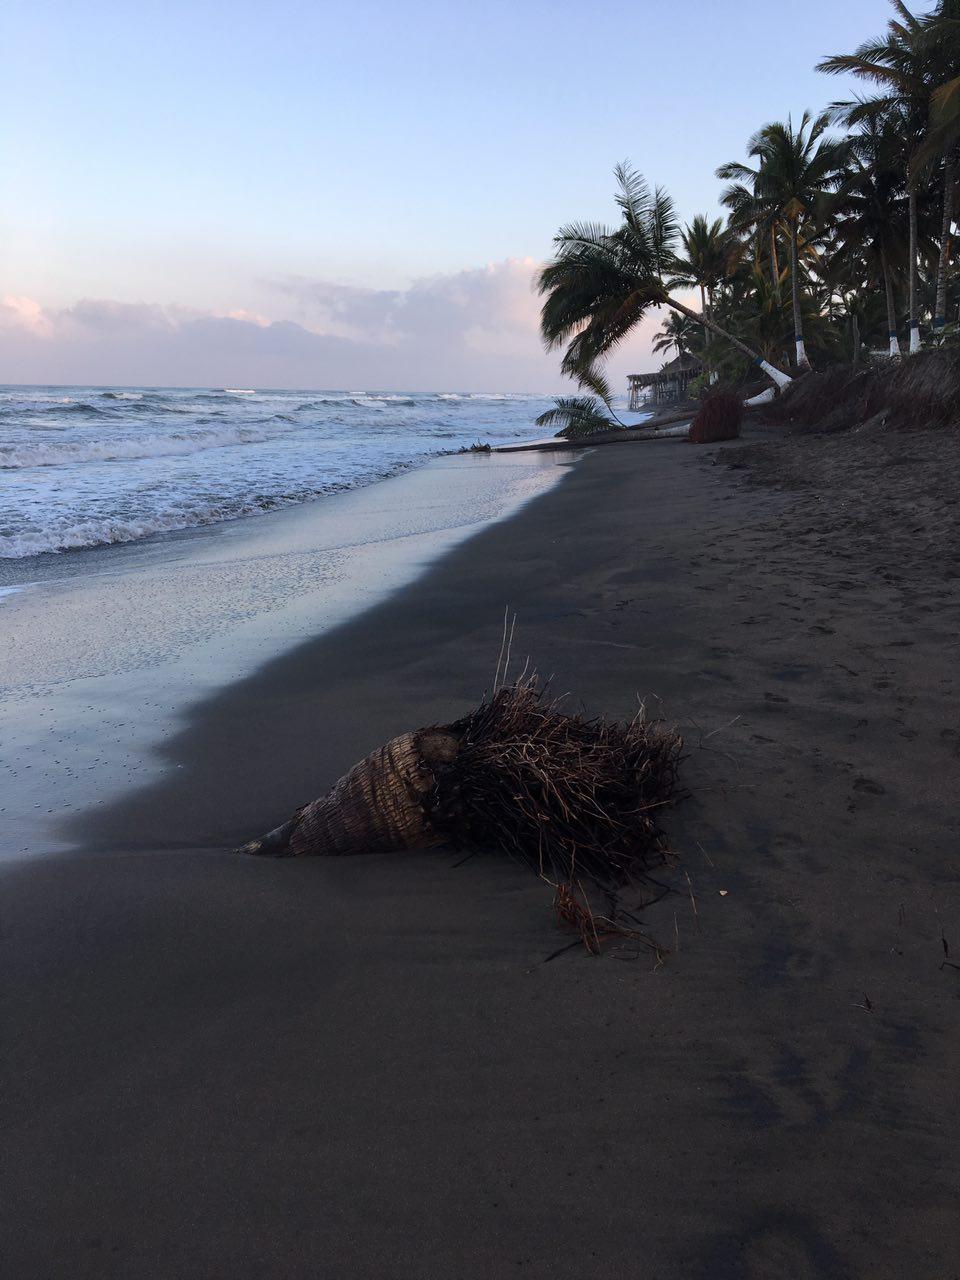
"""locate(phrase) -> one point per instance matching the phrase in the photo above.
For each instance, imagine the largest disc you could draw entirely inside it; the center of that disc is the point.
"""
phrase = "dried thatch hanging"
(573, 798)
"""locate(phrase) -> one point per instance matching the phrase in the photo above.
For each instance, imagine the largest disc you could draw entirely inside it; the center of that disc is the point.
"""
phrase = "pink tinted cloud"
(470, 330)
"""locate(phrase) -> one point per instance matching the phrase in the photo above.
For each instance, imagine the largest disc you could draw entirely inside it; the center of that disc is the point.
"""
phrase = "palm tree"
(677, 331)
(754, 304)
(941, 42)
(850, 278)
(901, 65)
(709, 254)
(752, 215)
(796, 172)
(873, 220)
(764, 317)
(602, 281)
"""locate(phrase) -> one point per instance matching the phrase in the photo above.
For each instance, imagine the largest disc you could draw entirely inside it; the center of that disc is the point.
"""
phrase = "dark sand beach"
(225, 1067)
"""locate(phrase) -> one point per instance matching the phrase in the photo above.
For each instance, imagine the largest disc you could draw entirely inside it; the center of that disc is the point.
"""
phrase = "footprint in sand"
(774, 1242)
(869, 786)
(779, 1084)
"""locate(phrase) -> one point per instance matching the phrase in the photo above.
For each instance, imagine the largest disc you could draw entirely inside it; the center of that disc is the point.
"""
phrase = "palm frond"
(945, 103)
(733, 169)
(577, 416)
(911, 23)
(633, 194)
(577, 237)
(594, 381)
(663, 227)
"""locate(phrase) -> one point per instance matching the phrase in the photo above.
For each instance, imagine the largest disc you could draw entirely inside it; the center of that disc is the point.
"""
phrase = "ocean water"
(88, 466)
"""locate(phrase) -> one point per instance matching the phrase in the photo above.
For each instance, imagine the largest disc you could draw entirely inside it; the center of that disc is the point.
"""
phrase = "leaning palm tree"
(677, 332)
(797, 170)
(603, 280)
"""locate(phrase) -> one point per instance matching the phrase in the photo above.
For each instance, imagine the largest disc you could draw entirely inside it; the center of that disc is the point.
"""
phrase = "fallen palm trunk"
(570, 797)
(623, 435)
(378, 807)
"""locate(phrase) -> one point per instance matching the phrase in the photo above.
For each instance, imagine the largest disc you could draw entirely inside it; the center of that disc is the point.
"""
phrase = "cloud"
(23, 313)
(489, 309)
(471, 330)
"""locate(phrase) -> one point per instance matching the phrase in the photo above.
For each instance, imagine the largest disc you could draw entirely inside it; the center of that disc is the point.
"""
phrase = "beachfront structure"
(669, 383)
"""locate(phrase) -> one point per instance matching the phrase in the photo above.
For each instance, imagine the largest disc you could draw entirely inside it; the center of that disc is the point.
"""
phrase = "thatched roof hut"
(668, 383)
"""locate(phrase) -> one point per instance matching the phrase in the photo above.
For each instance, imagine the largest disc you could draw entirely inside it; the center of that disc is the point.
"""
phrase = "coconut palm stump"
(574, 799)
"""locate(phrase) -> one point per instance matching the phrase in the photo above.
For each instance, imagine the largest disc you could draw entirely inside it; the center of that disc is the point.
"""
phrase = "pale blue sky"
(204, 154)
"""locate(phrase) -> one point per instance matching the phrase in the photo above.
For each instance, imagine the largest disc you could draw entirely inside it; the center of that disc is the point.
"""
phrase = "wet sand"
(226, 1067)
(104, 648)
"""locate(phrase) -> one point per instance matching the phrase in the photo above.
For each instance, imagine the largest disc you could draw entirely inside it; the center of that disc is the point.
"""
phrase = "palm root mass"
(568, 796)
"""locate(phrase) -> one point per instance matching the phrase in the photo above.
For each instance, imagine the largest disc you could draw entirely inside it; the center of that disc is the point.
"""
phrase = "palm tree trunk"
(708, 310)
(776, 376)
(774, 262)
(891, 307)
(707, 335)
(914, 325)
(802, 362)
(705, 310)
(940, 309)
(856, 339)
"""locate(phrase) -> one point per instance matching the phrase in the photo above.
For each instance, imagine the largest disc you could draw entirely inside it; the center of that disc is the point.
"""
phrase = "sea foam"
(83, 467)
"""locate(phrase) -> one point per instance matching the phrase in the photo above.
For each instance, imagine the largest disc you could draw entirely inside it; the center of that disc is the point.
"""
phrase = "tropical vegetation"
(677, 333)
(838, 240)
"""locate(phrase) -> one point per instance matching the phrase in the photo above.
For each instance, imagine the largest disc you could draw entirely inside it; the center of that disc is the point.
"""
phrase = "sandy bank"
(363, 1068)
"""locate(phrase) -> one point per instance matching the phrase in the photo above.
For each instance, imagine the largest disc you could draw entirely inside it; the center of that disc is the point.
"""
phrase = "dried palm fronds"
(570, 797)
(573, 798)
(920, 393)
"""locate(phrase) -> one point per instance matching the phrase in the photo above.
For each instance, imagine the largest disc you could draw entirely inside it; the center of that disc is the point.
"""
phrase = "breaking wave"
(90, 466)
(149, 446)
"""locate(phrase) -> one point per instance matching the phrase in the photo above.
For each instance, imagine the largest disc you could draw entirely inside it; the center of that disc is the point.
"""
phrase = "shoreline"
(363, 1067)
(102, 467)
(106, 649)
